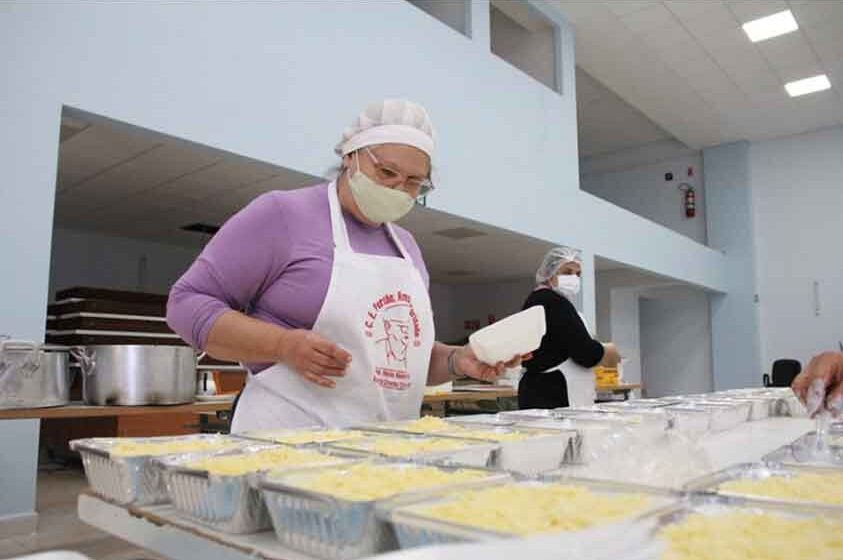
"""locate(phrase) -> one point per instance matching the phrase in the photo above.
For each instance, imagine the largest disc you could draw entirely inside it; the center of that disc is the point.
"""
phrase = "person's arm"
(820, 386)
(583, 349)
(236, 337)
(244, 257)
(448, 362)
(611, 355)
(236, 265)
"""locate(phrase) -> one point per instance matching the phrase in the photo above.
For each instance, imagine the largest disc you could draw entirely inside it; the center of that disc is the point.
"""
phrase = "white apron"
(377, 308)
(580, 380)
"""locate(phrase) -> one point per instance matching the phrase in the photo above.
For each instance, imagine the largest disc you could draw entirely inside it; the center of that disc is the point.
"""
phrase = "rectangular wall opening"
(526, 39)
(453, 13)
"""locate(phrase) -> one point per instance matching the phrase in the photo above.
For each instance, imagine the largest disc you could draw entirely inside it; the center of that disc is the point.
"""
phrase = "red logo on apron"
(394, 328)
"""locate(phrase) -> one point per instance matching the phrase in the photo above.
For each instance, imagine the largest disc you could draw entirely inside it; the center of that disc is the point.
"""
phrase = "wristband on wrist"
(452, 366)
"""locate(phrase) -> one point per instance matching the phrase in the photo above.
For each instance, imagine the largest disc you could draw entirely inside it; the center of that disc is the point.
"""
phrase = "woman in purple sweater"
(322, 296)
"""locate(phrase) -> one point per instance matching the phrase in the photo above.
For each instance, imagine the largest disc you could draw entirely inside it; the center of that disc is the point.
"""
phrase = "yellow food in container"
(364, 482)
(534, 509)
(265, 459)
(307, 436)
(434, 425)
(428, 425)
(397, 446)
(753, 536)
(824, 488)
(135, 448)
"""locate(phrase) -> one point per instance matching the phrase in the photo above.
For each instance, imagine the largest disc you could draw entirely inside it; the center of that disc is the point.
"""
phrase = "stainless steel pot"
(132, 374)
(33, 375)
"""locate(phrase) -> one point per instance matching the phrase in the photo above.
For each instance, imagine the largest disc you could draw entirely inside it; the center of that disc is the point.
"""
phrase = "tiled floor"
(60, 529)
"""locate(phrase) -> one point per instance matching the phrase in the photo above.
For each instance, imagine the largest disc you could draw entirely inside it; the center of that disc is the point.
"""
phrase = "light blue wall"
(734, 317)
(18, 464)
(798, 198)
(675, 334)
(642, 189)
(278, 81)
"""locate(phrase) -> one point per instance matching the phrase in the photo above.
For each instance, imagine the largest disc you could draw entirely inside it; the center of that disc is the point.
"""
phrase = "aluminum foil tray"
(414, 529)
(228, 503)
(592, 434)
(722, 416)
(304, 438)
(757, 471)
(711, 505)
(483, 419)
(805, 451)
(529, 414)
(636, 404)
(332, 528)
(790, 405)
(542, 450)
(129, 479)
(475, 453)
(760, 407)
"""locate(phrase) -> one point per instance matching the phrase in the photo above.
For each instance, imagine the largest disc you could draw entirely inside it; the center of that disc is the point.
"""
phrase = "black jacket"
(566, 336)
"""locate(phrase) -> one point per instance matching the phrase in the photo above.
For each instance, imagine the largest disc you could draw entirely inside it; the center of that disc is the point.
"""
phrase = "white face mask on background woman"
(567, 285)
(379, 204)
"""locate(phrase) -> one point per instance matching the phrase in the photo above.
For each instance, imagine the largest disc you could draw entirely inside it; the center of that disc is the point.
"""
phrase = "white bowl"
(515, 335)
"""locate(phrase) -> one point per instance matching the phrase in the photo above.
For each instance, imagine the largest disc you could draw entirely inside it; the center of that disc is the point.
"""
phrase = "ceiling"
(127, 181)
(606, 123)
(688, 66)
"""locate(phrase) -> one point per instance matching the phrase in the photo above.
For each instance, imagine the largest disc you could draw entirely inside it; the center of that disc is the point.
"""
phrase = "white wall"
(643, 190)
(675, 336)
(797, 189)
(268, 92)
(277, 82)
(618, 294)
(734, 318)
(84, 258)
(454, 304)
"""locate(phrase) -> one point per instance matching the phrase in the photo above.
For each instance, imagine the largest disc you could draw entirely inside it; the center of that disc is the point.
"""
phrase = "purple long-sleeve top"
(272, 260)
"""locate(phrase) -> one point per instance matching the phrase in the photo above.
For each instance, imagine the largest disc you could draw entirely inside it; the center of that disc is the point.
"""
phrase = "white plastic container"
(518, 334)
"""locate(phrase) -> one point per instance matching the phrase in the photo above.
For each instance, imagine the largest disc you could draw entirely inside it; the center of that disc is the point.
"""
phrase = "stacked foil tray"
(228, 503)
(135, 480)
(334, 528)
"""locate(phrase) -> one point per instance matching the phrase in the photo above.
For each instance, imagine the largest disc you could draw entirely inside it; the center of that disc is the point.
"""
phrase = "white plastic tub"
(515, 335)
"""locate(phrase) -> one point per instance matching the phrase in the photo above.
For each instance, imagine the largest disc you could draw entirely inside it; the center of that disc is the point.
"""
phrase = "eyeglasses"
(413, 186)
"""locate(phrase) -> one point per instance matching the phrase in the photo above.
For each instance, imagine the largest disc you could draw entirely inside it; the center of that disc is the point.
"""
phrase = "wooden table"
(470, 396)
(625, 388)
(441, 402)
(78, 410)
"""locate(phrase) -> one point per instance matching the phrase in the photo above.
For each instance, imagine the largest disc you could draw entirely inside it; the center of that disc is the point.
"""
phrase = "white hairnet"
(555, 258)
(391, 121)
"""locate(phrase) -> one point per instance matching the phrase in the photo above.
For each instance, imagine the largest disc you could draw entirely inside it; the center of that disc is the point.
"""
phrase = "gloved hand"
(820, 386)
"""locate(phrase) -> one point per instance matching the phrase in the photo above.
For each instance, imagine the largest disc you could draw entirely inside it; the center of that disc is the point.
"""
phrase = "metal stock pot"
(133, 374)
(33, 375)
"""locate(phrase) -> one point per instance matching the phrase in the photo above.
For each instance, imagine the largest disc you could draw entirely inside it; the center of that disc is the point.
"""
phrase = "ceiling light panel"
(770, 26)
(808, 85)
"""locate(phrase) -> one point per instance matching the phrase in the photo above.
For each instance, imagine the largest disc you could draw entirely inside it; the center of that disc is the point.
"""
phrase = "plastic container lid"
(515, 335)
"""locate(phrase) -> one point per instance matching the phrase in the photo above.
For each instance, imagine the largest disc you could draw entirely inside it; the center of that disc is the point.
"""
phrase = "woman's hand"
(611, 355)
(820, 386)
(313, 357)
(466, 363)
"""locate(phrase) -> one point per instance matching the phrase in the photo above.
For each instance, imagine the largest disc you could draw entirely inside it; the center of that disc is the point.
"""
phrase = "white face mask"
(378, 203)
(567, 285)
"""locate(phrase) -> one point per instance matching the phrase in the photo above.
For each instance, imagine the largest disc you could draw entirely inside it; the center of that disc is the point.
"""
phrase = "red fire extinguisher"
(690, 200)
